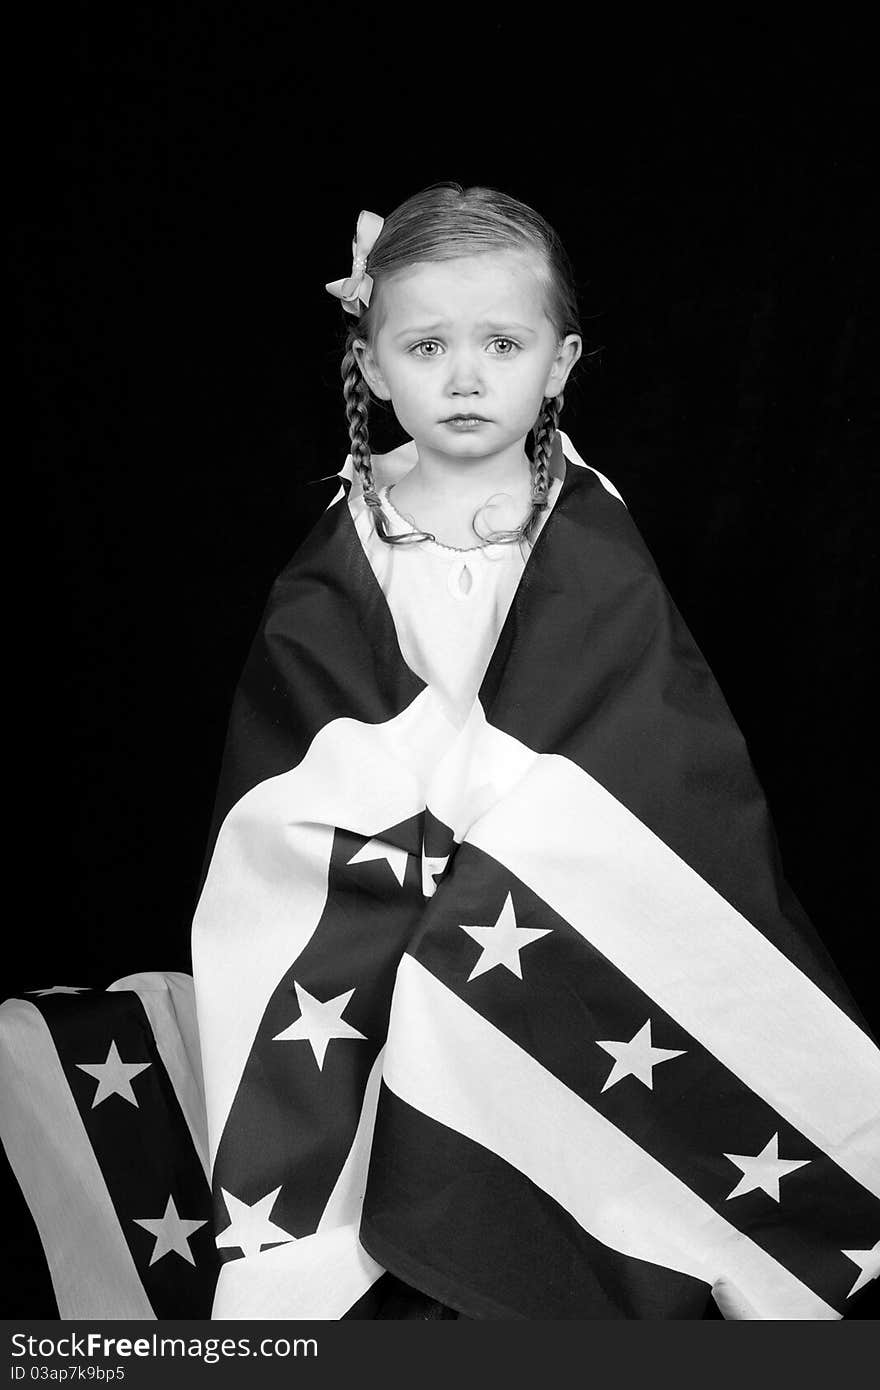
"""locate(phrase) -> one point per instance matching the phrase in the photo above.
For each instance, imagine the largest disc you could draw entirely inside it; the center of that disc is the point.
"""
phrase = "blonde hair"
(443, 222)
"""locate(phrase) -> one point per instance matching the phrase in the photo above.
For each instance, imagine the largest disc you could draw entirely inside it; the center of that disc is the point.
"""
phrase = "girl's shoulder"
(563, 446)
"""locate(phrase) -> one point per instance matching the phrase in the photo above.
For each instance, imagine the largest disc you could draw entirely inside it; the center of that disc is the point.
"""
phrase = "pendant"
(461, 578)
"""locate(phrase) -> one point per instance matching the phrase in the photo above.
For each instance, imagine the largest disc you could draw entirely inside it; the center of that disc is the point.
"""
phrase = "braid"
(544, 431)
(357, 402)
(545, 434)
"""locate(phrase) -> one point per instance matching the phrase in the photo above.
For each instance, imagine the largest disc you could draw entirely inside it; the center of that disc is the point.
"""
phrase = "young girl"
(505, 1006)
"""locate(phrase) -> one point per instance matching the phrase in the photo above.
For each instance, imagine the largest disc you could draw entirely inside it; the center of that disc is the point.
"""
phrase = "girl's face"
(467, 336)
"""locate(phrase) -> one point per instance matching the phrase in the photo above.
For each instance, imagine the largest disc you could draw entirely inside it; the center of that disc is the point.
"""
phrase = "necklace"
(459, 549)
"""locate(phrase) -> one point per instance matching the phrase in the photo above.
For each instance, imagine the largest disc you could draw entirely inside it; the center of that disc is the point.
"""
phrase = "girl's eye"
(431, 342)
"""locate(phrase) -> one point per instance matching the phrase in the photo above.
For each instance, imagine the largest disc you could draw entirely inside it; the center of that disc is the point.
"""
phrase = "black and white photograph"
(449, 825)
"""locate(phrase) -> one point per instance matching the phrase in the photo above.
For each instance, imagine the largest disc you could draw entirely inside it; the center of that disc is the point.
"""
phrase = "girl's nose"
(465, 374)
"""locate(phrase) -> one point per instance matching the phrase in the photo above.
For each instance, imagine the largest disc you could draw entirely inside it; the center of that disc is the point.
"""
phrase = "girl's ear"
(369, 370)
(569, 352)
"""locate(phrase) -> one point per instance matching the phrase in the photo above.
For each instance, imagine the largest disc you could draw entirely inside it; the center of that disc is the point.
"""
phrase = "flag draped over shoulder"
(102, 1118)
(522, 1011)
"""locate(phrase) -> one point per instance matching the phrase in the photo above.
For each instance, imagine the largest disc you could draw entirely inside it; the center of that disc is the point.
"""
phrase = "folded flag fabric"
(522, 1011)
(103, 1122)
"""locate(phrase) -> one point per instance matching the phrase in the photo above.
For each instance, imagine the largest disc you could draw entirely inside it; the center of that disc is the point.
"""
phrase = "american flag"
(522, 1011)
(102, 1117)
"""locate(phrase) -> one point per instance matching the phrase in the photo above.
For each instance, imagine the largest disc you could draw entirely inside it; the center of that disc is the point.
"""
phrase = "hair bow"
(356, 290)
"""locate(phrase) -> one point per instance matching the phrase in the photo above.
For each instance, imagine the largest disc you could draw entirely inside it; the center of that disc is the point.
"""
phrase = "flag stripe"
(318, 1277)
(458, 1221)
(566, 988)
(92, 1269)
(446, 1061)
(268, 877)
(671, 933)
(367, 920)
(144, 1148)
(345, 1202)
(168, 1000)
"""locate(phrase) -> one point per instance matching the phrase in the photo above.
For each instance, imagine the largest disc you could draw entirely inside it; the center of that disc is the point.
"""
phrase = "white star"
(433, 866)
(171, 1232)
(502, 943)
(60, 989)
(114, 1076)
(319, 1022)
(868, 1262)
(380, 849)
(250, 1227)
(763, 1170)
(637, 1058)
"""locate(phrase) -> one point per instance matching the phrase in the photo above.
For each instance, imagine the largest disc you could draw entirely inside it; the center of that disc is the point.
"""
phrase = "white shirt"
(448, 604)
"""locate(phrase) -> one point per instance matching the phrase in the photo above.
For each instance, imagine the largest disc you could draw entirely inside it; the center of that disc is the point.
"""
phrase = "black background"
(185, 182)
